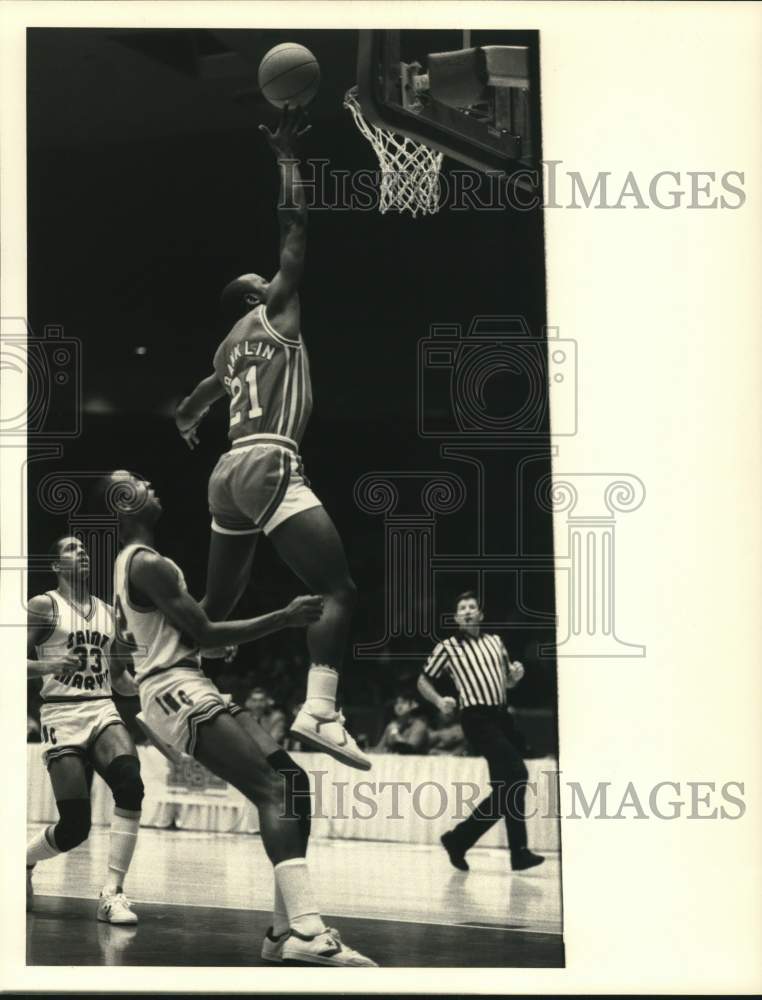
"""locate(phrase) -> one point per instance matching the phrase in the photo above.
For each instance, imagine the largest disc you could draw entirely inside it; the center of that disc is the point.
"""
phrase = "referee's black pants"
(489, 730)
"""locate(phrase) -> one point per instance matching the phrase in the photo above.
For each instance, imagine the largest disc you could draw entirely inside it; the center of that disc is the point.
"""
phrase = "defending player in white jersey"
(166, 629)
(71, 646)
(259, 484)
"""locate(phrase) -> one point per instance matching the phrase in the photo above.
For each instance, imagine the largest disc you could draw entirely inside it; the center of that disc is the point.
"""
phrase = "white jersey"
(157, 645)
(86, 636)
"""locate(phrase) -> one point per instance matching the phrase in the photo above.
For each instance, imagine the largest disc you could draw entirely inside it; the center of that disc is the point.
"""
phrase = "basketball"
(289, 74)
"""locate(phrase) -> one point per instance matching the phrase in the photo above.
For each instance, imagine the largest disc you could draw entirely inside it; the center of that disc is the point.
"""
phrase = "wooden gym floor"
(204, 899)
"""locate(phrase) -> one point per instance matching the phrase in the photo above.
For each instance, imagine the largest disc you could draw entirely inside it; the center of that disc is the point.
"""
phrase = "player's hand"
(226, 653)
(304, 611)
(516, 671)
(188, 426)
(65, 665)
(290, 128)
(124, 684)
(447, 706)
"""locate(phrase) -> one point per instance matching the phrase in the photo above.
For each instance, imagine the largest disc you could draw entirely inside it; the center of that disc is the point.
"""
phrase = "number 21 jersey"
(267, 377)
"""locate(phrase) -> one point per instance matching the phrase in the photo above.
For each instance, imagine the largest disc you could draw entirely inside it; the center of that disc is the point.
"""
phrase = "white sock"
(280, 917)
(293, 881)
(40, 848)
(322, 682)
(122, 841)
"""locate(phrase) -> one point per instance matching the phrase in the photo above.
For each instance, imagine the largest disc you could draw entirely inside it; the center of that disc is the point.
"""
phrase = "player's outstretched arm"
(192, 410)
(282, 296)
(153, 576)
(40, 622)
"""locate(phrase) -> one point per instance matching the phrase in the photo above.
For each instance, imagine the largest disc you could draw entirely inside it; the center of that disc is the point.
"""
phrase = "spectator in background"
(33, 702)
(270, 718)
(447, 737)
(292, 742)
(32, 729)
(407, 733)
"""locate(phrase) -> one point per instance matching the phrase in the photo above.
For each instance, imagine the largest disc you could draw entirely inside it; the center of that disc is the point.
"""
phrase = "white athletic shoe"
(327, 733)
(272, 947)
(29, 888)
(115, 908)
(322, 949)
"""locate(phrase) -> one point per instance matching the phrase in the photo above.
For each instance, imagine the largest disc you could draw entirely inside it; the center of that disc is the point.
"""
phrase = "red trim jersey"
(267, 377)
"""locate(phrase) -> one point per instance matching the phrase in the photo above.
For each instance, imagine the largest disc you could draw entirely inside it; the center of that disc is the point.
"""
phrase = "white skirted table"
(404, 799)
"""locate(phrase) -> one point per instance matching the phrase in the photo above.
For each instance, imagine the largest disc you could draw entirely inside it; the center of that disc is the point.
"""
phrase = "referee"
(482, 670)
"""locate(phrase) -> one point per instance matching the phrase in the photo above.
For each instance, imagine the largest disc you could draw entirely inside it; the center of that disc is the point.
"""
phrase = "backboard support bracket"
(475, 104)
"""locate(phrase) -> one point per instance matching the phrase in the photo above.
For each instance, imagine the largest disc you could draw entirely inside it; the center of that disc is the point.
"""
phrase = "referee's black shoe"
(454, 852)
(524, 858)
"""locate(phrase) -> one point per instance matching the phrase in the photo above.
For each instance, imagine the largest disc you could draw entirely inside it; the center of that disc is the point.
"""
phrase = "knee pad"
(73, 826)
(123, 778)
(298, 794)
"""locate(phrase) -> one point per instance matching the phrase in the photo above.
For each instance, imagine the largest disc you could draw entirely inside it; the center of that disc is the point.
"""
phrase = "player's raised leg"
(72, 795)
(310, 545)
(226, 748)
(228, 571)
(115, 759)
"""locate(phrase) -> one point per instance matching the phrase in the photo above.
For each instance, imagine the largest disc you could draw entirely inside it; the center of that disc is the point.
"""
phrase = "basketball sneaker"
(29, 888)
(327, 733)
(272, 946)
(325, 948)
(115, 908)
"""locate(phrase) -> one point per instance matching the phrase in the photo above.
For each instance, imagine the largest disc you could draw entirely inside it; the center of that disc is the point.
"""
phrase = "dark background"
(149, 188)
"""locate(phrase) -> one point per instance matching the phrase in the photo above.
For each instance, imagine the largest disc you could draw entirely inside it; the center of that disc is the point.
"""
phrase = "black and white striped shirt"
(477, 665)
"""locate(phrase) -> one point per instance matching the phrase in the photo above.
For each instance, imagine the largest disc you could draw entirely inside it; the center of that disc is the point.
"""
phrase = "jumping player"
(71, 646)
(158, 618)
(259, 485)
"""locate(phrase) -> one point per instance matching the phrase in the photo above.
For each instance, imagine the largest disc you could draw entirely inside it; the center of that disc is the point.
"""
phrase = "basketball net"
(409, 170)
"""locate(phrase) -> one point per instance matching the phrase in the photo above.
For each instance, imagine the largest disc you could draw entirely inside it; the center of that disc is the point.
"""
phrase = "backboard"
(472, 95)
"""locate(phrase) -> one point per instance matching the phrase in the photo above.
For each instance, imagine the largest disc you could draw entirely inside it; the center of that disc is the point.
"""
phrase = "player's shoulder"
(150, 566)
(283, 324)
(148, 560)
(43, 607)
